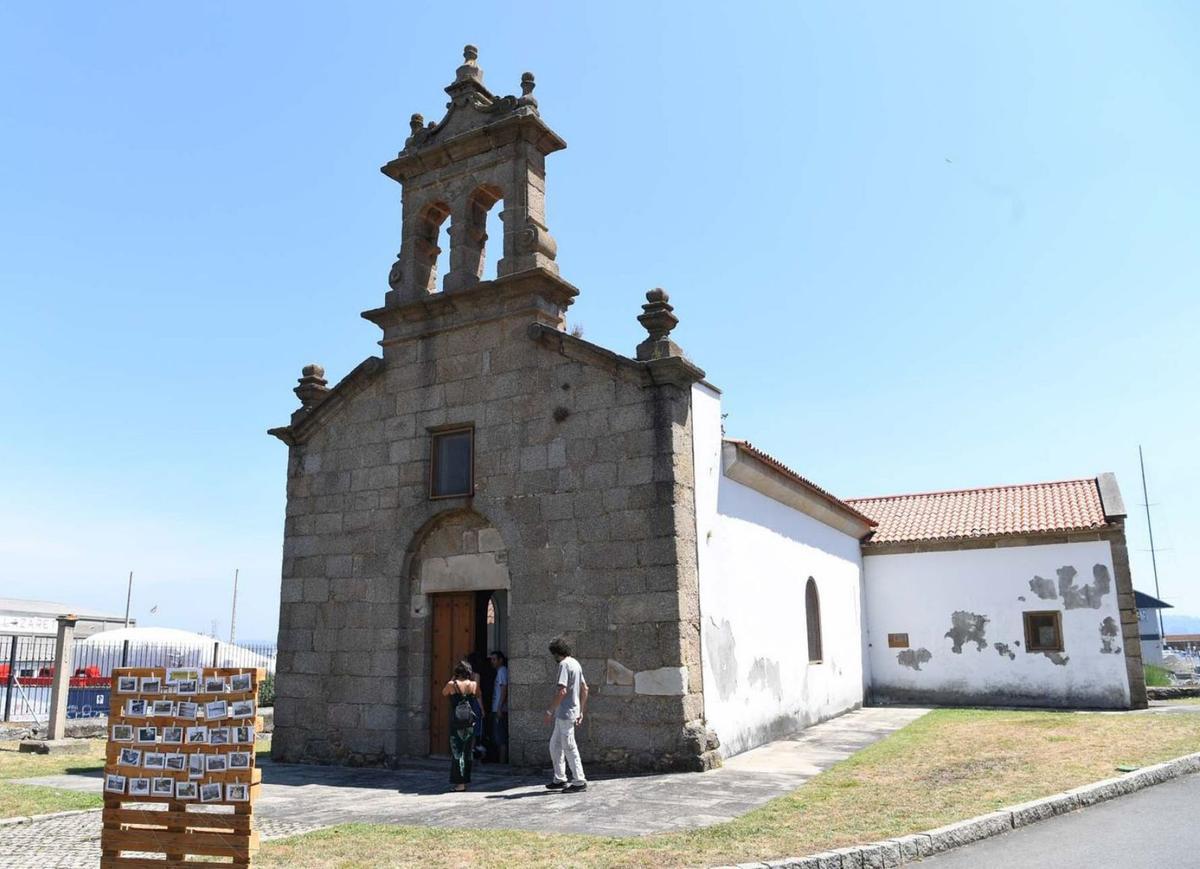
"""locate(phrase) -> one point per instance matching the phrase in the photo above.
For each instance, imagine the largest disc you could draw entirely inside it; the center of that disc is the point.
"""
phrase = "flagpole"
(128, 598)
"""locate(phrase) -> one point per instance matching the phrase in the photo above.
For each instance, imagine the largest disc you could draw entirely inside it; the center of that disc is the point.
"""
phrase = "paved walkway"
(616, 806)
(1151, 829)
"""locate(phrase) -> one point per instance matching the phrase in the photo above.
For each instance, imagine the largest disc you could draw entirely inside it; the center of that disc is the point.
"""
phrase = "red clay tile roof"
(1069, 505)
(788, 472)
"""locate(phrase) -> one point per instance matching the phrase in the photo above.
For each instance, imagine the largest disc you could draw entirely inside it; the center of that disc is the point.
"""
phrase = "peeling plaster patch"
(765, 674)
(1021, 598)
(1083, 596)
(1108, 636)
(1004, 649)
(721, 658)
(1044, 588)
(914, 658)
(965, 628)
(1057, 657)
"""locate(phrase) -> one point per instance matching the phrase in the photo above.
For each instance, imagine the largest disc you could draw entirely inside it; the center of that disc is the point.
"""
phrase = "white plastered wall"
(755, 555)
(918, 593)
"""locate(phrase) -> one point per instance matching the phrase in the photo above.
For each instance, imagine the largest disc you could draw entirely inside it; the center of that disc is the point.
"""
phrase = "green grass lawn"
(948, 765)
(18, 799)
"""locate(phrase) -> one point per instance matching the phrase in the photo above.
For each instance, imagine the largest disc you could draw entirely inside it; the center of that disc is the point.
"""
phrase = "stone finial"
(658, 319)
(469, 71)
(527, 85)
(313, 385)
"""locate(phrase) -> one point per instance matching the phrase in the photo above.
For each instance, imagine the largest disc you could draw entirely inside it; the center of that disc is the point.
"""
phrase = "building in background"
(38, 618)
(1149, 626)
(1184, 642)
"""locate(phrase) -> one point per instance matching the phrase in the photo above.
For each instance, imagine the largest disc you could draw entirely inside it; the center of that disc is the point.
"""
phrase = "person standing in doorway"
(566, 713)
(461, 689)
(500, 706)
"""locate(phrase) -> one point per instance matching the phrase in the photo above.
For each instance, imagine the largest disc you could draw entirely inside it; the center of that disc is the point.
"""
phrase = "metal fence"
(27, 670)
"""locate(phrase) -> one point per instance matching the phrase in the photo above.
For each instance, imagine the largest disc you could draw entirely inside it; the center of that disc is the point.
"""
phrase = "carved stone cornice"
(476, 120)
(674, 371)
(539, 291)
(308, 419)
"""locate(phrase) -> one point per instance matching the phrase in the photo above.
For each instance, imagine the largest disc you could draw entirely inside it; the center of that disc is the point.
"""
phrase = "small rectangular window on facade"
(897, 641)
(1043, 631)
(452, 459)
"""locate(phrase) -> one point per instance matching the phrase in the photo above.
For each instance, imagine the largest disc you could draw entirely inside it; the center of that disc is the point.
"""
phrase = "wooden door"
(453, 640)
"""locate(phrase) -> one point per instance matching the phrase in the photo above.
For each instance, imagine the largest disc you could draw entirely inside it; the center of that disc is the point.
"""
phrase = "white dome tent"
(165, 647)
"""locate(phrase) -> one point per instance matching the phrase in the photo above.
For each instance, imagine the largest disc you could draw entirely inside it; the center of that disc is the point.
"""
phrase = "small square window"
(452, 471)
(897, 641)
(1043, 631)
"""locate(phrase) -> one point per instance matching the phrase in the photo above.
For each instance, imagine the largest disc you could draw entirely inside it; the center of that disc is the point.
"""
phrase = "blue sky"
(919, 246)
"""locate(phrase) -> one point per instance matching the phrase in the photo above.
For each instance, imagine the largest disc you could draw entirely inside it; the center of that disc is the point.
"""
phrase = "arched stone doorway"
(459, 574)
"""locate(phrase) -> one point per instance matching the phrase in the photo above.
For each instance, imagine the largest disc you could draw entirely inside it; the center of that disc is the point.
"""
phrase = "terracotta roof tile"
(1068, 505)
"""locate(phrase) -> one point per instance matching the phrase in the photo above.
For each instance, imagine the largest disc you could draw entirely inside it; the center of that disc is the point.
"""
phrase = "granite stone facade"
(583, 491)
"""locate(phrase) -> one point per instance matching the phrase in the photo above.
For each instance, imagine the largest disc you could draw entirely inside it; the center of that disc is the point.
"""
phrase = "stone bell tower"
(488, 151)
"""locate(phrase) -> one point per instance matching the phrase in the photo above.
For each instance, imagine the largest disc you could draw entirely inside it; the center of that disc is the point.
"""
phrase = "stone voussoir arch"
(457, 550)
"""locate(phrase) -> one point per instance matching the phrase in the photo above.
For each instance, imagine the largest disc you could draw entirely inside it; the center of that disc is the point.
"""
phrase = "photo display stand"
(176, 785)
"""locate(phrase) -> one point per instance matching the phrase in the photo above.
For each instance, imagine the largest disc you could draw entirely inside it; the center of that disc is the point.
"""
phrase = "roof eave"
(751, 467)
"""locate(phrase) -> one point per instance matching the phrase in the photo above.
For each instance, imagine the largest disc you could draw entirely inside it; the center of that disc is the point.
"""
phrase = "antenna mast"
(1149, 527)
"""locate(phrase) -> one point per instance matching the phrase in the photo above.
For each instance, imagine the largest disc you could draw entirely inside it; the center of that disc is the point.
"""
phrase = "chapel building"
(492, 481)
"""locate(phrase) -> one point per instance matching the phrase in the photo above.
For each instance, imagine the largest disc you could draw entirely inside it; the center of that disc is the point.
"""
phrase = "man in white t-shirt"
(500, 705)
(566, 712)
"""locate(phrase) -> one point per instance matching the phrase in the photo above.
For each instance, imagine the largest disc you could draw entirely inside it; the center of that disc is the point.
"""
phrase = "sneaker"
(556, 785)
(576, 786)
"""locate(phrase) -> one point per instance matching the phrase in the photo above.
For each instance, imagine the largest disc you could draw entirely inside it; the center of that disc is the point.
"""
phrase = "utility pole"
(128, 598)
(1153, 560)
(233, 615)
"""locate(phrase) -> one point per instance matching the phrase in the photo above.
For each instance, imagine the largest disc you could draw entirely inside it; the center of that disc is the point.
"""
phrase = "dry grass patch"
(948, 765)
(19, 800)
(15, 764)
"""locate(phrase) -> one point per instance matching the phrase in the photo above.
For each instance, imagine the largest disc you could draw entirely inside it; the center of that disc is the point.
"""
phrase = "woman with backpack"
(461, 690)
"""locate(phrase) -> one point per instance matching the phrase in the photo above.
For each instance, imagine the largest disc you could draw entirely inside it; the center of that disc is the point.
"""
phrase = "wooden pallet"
(167, 827)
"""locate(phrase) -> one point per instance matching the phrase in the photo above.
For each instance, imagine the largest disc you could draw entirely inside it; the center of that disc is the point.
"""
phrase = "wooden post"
(63, 658)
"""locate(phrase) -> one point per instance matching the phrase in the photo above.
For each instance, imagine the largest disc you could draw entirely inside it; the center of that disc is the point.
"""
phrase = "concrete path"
(1150, 829)
(298, 798)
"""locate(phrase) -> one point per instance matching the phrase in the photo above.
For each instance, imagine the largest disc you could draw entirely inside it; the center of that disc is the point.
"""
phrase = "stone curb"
(906, 849)
(29, 819)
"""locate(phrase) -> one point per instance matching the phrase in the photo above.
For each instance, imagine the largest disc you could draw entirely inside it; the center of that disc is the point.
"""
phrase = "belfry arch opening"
(433, 246)
(493, 250)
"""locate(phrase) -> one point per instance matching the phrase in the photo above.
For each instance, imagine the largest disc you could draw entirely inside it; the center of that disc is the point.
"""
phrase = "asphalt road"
(1156, 828)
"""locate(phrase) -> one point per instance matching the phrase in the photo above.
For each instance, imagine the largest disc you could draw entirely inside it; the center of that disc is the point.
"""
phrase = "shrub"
(266, 691)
